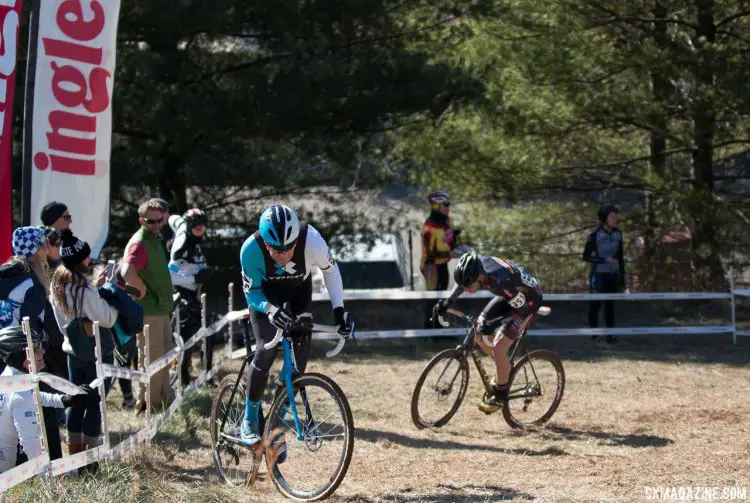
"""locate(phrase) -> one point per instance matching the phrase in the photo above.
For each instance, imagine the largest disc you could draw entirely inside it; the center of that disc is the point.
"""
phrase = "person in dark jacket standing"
(187, 267)
(604, 251)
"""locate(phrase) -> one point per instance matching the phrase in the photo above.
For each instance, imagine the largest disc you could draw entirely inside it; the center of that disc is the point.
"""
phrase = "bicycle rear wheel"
(536, 387)
(233, 460)
(314, 466)
(446, 387)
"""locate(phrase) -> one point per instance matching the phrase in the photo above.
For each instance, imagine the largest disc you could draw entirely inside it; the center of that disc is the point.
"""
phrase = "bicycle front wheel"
(311, 467)
(232, 459)
(536, 386)
(441, 387)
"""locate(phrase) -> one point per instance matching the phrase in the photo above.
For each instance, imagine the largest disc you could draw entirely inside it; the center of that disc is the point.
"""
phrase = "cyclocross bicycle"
(536, 378)
(309, 431)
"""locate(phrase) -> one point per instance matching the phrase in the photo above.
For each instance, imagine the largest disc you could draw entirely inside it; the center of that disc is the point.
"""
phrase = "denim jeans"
(84, 423)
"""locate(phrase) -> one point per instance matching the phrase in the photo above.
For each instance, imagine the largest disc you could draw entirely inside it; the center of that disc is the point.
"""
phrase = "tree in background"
(633, 101)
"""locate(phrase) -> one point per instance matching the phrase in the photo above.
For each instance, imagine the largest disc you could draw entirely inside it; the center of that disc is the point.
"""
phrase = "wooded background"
(530, 113)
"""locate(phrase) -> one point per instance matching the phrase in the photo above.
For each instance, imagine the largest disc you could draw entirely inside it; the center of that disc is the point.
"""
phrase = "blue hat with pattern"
(27, 241)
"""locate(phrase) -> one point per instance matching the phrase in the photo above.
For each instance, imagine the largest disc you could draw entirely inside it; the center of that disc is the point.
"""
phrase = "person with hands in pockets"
(276, 265)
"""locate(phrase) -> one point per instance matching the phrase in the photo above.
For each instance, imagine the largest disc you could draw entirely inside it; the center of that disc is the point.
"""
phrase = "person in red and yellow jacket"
(438, 240)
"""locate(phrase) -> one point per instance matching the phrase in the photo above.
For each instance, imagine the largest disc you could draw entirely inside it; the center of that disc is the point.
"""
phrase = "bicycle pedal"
(484, 408)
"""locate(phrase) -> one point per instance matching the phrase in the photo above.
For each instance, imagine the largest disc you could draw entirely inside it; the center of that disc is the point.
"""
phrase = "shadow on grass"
(449, 494)
(553, 432)
(369, 435)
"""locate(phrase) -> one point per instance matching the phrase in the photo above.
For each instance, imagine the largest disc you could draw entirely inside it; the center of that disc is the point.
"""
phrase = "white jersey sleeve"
(27, 423)
(318, 254)
(52, 400)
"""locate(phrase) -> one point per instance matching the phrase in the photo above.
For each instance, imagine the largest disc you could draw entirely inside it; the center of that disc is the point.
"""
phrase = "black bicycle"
(536, 382)
(309, 431)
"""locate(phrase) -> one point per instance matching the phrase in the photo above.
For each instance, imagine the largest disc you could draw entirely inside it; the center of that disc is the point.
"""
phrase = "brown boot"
(75, 448)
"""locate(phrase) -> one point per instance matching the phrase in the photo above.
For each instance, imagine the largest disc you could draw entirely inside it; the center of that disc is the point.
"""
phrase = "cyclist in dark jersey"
(518, 293)
(276, 264)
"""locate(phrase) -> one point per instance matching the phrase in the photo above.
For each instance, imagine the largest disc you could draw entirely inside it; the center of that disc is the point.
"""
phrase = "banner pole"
(28, 113)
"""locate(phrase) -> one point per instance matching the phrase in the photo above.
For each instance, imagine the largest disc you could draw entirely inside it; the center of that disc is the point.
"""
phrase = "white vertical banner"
(71, 125)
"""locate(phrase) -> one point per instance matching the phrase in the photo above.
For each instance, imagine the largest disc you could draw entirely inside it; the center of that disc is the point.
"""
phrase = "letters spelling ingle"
(70, 87)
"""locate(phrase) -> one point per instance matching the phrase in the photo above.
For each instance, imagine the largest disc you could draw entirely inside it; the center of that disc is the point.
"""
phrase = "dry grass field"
(671, 411)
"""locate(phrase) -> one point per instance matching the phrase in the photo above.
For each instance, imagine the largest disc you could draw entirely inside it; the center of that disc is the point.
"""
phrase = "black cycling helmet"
(13, 341)
(195, 217)
(468, 269)
(605, 210)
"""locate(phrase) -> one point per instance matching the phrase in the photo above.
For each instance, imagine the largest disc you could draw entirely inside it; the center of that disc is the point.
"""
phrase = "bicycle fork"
(287, 369)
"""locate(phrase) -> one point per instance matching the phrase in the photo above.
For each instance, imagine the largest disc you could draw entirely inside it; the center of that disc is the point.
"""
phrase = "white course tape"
(23, 472)
(126, 445)
(742, 293)
(66, 464)
(350, 295)
(162, 362)
(115, 371)
(191, 342)
(69, 463)
(25, 382)
(168, 413)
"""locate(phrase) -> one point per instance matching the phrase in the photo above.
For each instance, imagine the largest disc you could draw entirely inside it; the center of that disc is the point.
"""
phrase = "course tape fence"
(43, 466)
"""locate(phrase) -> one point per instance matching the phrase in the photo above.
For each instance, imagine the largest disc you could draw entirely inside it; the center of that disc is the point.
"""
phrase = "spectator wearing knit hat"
(23, 279)
(56, 215)
(24, 284)
(187, 266)
(76, 303)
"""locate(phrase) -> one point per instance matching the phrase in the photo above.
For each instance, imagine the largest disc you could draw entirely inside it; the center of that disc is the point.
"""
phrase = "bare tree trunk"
(705, 240)
(660, 89)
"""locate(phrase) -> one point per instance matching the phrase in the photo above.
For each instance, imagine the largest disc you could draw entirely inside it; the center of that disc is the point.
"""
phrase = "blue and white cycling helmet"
(279, 227)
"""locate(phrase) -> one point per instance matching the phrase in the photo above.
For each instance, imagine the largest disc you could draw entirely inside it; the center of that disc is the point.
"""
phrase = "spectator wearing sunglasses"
(54, 356)
(145, 267)
(55, 359)
(57, 216)
(165, 236)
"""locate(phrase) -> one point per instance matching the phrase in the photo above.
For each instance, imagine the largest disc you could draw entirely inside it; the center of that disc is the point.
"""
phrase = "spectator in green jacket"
(145, 267)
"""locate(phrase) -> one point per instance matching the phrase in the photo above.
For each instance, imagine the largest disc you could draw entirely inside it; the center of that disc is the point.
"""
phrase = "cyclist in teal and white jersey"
(276, 264)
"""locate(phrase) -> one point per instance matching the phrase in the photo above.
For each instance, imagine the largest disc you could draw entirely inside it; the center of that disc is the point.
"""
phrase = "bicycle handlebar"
(330, 329)
(297, 324)
(501, 320)
(455, 312)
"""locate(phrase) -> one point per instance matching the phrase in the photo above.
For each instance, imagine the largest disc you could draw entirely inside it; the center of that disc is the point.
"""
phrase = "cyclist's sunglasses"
(278, 251)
